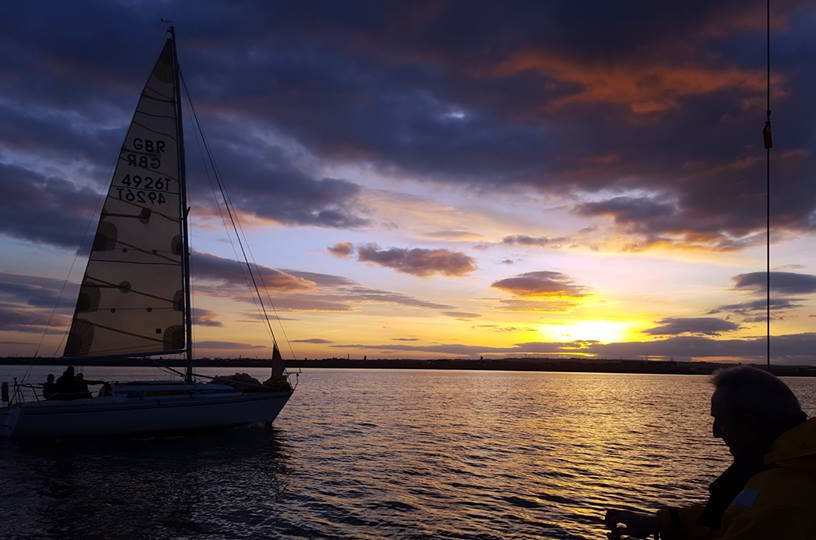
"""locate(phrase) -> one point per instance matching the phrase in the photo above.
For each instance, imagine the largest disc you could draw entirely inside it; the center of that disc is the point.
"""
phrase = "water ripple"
(387, 454)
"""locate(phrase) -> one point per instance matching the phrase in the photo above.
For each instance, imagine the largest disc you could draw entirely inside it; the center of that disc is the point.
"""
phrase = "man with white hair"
(769, 491)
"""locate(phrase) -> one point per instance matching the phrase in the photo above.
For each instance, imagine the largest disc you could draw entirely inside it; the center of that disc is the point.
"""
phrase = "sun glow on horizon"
(602, 331)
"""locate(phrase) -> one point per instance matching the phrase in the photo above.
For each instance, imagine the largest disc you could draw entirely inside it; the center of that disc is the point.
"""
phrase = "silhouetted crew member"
(82, 391)
(50, 387)
(66, 384)
(769, 491)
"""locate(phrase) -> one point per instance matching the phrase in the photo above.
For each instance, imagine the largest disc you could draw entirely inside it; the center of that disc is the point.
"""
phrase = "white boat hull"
(151, 412)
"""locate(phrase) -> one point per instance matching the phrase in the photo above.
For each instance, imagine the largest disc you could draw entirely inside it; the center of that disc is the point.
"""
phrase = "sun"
(602, 331)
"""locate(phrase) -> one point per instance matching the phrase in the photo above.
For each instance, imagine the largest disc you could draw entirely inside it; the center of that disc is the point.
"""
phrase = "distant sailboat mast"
(184, 212)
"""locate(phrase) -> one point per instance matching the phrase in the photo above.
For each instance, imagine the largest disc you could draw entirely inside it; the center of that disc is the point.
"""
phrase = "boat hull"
(116, 415)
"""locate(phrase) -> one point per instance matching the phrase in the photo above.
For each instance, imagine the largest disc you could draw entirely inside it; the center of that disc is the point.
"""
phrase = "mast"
(184, 212)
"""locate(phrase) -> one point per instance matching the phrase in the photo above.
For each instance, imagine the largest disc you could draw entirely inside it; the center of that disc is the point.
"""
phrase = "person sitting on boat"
(82, 390)
(50, 387)
(66, 385)
(768, 491)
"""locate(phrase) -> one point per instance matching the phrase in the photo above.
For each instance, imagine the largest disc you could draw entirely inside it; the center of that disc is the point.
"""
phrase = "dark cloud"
(507, 261)
(38, 291)
(205, 317)
(792, 348)
(312, 302)
(755, 309)
(211, 267)
(227, 345)
(293, 290)
(35, 305)
(454, 235)
(658, 221)
(534, 241)
(451, 348)
(786, 288)
(347, 298)
(341, 249)
(784, 283)
(256, 316)
(711, 326)
(264, 182)
(45, 209)
(311, 340)
(786, 349)
(630, 210)
(543, 304)
(461, 314)
(322, 280)
(655, 103)
(20, 319)
(543, 283)
(365, 294)
(418, 262)
(497, 328)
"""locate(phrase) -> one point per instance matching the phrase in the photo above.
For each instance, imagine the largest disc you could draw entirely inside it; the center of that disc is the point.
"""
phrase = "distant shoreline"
(501, 364)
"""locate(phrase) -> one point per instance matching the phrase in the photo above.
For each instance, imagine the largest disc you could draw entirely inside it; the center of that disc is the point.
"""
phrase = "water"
(373, 454)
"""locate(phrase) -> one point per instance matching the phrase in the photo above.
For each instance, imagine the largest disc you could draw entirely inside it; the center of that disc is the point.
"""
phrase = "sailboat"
(134, 299)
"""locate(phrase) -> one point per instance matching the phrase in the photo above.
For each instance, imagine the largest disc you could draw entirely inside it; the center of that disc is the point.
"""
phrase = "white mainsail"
(131, 300)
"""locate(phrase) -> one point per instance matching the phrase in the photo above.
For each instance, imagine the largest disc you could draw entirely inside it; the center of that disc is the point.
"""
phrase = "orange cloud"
(341, 249)
(540, 284)
(417, 261)
(644, 89)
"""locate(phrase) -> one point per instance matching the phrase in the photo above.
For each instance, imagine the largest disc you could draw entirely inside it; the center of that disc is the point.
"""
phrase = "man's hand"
(635, 524)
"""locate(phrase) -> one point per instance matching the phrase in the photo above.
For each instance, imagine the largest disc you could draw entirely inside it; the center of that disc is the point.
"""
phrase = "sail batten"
(131, 300)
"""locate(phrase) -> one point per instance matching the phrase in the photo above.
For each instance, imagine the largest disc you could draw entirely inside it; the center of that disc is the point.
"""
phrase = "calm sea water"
(375, 454)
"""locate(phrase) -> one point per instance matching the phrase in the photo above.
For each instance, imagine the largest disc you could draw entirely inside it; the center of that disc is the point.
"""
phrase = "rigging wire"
(239, 232)
(203, 142)
(768, 142)
(166, 368)
(228, 207)
(223, 217)
(56, 304)
(263, 284)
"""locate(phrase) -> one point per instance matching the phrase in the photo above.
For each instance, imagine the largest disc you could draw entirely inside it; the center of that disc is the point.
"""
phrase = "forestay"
(131, 300)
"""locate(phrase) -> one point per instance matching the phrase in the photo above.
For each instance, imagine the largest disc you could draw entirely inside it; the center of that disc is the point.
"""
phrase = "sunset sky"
(435, 179)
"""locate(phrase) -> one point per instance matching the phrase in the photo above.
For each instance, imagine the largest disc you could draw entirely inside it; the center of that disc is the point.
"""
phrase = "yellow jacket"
(777, 503)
